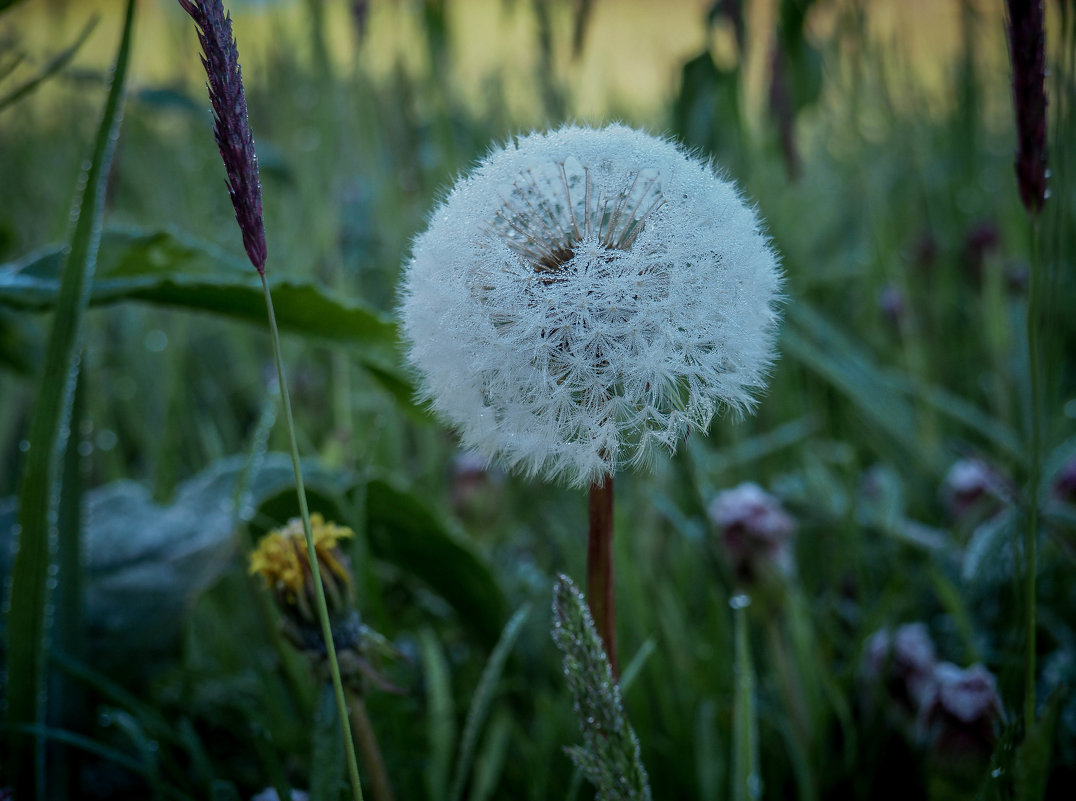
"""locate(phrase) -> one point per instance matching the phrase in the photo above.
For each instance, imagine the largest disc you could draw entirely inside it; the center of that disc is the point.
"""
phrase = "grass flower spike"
(231, 125)
(585, 295)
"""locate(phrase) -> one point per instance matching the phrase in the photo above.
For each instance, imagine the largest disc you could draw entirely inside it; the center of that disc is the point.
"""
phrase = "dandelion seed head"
(586, 296)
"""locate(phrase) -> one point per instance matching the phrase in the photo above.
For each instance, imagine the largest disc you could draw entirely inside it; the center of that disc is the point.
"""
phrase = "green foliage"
(27, 626)
(903, 350)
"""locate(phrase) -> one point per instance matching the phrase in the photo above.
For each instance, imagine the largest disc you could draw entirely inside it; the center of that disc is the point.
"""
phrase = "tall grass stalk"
(1027, 43)
(235, 140)
(319, 589)
(28, 617)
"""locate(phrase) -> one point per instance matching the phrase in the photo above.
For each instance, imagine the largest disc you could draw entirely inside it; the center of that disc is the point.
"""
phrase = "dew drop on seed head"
(741, 601)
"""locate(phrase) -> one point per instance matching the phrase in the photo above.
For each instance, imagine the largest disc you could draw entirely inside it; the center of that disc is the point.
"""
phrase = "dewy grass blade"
(48, 435)
(746, 778)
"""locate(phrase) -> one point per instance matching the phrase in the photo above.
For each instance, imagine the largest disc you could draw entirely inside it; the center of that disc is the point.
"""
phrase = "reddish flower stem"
(600, 567)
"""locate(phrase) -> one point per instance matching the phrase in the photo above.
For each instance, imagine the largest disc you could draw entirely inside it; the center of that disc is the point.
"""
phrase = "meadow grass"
(903, 350)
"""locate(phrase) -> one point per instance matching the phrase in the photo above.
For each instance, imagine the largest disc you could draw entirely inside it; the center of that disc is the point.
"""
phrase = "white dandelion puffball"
(586, 294)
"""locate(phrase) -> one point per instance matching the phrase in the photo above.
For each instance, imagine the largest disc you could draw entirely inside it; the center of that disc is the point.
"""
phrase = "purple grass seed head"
(231, 126)
(1027, 48)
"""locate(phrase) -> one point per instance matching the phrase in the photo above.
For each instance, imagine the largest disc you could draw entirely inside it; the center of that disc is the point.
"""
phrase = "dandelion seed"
(585, 296)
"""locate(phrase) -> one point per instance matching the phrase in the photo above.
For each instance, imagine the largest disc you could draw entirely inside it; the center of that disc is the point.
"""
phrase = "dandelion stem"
(600, 567)
(380, 787)
(1034, 473)
(319, 589)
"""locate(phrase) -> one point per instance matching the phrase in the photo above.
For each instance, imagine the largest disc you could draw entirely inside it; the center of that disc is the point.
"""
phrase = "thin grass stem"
(1034, 473)
(319, 589)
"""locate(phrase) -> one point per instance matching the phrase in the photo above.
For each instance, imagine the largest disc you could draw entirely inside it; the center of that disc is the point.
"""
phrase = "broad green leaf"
(27, 618)
(169, 269)
(404, 531)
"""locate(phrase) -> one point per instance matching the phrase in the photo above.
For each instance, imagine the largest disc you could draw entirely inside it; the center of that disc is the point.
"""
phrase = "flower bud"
(281, 558)
(963, 713)
(754, 531)
(973, 490)
(1064, 487)
(903, 663)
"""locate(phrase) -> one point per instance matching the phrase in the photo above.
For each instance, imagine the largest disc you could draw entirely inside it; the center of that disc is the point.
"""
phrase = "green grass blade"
(746, 779)
(441, 727)
(490, 760)
(68, 709)
(483, 696)
(54, 65)
(48, 432)
(631, 672)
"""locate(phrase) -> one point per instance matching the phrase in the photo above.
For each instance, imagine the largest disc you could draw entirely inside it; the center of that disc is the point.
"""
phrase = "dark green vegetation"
(888, 187)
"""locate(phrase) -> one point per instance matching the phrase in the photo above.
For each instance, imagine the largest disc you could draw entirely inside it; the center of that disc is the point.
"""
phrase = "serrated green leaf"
(170, 269)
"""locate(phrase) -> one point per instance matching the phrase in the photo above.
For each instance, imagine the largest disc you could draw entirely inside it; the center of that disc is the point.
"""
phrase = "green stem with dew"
(319, 589)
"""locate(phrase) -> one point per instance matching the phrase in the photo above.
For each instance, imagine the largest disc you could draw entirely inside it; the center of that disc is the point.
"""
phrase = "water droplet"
(24, 445)
(741, 601)
(85, 448)
(104, 720)
(996, 773)
(754, 785)
(106, 439)
(156, 340)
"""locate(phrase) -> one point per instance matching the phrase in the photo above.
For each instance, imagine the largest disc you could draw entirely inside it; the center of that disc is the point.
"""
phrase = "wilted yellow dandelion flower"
(281, 559)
